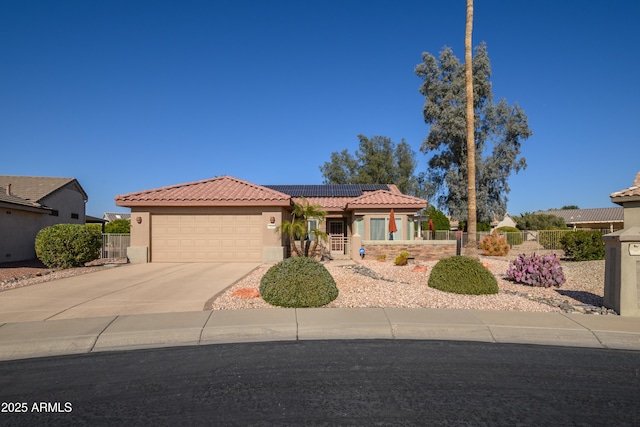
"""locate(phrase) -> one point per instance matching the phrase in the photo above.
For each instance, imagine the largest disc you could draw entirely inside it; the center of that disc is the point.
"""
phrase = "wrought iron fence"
(542, 239)
(115, 245)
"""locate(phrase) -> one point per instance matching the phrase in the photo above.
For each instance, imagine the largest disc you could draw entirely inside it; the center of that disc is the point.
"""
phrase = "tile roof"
(15, 200)
(35, 188)
(329, 204)
(230, 191)
(386, 199)
(631, 193)
(595, 215)
(112, 216)
(220, 191)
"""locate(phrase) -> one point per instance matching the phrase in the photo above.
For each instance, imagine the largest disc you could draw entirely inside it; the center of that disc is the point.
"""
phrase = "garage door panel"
(206, 238)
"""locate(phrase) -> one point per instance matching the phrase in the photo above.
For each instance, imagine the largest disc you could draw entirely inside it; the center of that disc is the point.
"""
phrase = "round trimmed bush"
(68, 245)
(514, 236)
(462, 275)
(298, 282)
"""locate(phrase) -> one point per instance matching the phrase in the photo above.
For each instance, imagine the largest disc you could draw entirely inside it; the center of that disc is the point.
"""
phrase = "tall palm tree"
(472, 244)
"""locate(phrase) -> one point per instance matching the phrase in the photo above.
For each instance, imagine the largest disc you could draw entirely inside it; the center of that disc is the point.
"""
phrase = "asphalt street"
(355, 382)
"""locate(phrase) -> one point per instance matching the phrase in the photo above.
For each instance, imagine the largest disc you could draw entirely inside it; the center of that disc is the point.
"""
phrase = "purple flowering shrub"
(542, 271)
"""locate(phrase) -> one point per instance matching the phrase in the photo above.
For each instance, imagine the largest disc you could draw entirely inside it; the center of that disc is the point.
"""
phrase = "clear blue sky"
(132, 95)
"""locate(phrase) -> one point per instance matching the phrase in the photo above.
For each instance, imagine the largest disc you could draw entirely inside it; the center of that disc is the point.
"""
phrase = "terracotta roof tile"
(330, 204)
(631, 192)
(387, 199)
(220, 191)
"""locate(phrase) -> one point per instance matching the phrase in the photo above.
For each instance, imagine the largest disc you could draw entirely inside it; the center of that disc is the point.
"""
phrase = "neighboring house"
(610, 219)
(112, 216)
(506, 221)
(228, 219)
(629, 198)
(30, 203)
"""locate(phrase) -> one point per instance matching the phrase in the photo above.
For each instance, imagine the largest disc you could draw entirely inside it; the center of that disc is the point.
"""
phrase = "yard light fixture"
(139, 219)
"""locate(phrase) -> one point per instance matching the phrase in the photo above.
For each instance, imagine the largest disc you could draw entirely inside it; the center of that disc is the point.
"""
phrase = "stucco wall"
(631, 214)
(18, 228)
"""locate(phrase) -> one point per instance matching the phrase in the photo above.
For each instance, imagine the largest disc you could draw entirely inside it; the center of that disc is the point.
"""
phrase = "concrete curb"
(130, 332)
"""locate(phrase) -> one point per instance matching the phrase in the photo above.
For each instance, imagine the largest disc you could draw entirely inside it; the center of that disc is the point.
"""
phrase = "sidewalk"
(127, 332)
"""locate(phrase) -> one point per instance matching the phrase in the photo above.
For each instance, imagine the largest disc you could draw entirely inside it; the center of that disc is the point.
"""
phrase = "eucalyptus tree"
(498, 132)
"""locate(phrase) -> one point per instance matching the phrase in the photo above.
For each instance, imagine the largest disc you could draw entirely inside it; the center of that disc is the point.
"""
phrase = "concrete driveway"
(127, 289)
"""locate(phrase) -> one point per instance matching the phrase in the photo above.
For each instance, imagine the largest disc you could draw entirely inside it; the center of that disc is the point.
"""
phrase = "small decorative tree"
(298, 227)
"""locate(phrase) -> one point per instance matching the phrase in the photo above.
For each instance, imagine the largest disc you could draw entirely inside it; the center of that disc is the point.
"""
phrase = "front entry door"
(336, 237)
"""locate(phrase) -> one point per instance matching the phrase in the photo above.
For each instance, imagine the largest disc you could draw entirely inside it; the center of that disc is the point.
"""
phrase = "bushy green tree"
(68, 245)
(499, 130)
(378, 160)
(440, 220)
(118, 226)
(534, 221)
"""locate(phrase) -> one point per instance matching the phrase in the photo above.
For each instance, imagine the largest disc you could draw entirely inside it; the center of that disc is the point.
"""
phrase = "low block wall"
(421, 250)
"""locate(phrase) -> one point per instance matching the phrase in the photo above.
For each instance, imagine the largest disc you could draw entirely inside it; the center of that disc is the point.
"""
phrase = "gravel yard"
(382, 284)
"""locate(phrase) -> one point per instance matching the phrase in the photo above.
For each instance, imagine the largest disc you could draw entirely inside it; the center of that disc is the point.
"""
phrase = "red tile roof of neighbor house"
(628, 194)
(220, 191)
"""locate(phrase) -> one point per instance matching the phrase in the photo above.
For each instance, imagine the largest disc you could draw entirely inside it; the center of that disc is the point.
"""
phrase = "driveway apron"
(127, 289)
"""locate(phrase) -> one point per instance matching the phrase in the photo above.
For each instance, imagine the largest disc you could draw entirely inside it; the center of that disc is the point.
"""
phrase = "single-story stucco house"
(609, 219)
(30, 203)
(228, 219)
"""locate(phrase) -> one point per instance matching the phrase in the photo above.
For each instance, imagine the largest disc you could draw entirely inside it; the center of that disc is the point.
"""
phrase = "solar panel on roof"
(327, 190)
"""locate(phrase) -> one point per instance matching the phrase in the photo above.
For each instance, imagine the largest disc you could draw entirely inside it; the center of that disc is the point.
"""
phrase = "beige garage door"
(206, 238)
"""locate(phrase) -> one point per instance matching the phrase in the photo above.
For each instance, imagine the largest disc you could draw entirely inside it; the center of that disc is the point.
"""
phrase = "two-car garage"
(223, 219)
(206, 238)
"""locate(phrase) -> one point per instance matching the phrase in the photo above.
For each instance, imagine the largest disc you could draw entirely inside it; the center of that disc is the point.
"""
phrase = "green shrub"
(68, 245)
(118, 226)
(533, 221)
(480, 226)
(514, 236)
(439, 219)
(402, 258)
(298, 282)
(96, 227)
(462, 275)
(583, 245)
